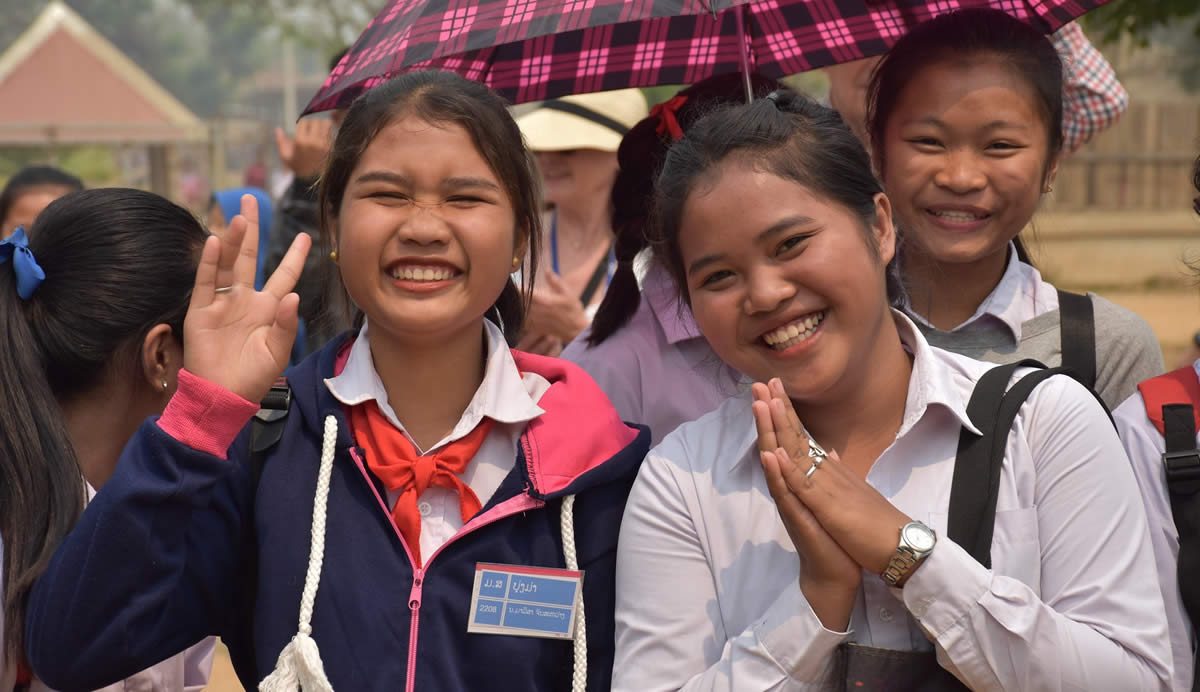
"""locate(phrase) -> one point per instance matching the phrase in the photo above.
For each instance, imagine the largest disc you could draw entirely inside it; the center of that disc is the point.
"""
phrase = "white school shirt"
(658, 369)
(1145, 447)
(505, 395)
(1020, 296)
(708, 594)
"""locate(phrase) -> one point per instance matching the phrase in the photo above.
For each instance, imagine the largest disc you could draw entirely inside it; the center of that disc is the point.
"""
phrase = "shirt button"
(885, 614)
(425, 509)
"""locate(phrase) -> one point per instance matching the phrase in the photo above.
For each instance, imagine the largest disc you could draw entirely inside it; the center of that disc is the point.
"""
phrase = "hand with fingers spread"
(237, 337)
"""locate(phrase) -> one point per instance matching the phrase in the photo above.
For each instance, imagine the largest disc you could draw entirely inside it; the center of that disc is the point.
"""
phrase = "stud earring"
(333, 256)
(516, 262)
(165, 385)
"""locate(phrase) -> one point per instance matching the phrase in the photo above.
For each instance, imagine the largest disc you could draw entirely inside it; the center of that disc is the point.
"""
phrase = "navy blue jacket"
(164, 555)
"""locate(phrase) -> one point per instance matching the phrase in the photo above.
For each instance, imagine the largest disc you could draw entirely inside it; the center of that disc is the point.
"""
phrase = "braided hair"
(640, 157)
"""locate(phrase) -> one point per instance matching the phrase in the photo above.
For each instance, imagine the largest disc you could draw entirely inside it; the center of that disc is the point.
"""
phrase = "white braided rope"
(299, 666)
(579, 677)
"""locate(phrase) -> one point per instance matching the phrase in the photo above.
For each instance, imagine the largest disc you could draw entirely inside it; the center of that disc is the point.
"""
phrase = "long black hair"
(640, 157)
(117, 263)
(785, 134)
(960, 37)
(31, 177)
(438, 97)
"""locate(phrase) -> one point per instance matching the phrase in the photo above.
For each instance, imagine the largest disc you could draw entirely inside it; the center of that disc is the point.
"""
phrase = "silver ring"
(816, 452)
(223, 289)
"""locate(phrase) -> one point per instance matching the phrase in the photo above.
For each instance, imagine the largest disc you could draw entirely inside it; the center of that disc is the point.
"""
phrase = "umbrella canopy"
(530, 50)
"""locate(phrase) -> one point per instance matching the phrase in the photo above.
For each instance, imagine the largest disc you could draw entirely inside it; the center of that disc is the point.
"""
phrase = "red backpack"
(1173, 405)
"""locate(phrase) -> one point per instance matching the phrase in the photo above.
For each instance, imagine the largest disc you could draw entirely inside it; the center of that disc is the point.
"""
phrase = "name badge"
(525, 601)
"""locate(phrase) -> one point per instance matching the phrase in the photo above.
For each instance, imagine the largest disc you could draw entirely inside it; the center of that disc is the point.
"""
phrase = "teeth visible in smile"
(411, 273)
(963, 216)
(792, 334)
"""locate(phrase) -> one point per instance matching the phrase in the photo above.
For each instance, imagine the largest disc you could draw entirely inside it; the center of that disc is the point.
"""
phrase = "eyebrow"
(993, 125)
(455, 183)
(774, 229)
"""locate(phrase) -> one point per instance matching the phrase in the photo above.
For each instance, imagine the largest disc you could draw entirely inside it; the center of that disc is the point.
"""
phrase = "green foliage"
(1139, 18)
(95, 165)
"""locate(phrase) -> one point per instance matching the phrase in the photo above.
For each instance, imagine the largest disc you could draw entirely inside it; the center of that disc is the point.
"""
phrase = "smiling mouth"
(794, 332)
(410, 272)
(958, 216)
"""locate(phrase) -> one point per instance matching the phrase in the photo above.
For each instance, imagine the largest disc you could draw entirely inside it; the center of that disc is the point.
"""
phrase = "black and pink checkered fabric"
(530, 50)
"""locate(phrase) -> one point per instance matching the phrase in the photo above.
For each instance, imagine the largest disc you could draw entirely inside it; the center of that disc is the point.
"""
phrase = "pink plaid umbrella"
(530, 50)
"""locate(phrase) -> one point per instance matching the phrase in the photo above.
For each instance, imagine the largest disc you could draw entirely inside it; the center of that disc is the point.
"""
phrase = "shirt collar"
(673, 315)
(505, 395)
(1006, 302)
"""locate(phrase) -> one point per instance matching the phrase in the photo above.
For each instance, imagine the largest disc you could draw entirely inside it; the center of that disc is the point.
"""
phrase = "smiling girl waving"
(433, 496)
(753, 558)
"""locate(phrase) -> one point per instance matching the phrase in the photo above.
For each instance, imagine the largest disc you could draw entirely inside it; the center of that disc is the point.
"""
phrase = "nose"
(962, 173)
(424, 225)
(766, 291)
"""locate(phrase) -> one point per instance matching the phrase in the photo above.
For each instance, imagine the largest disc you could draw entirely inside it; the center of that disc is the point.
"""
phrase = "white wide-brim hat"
(583, 121)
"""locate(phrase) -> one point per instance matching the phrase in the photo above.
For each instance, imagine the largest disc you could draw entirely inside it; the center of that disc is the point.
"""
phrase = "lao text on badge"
(525, 601)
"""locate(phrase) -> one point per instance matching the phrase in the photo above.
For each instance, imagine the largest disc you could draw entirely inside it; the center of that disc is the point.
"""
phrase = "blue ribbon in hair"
(29, 274)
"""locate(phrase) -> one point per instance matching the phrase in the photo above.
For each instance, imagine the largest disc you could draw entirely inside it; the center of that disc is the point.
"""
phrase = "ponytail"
(41, 489)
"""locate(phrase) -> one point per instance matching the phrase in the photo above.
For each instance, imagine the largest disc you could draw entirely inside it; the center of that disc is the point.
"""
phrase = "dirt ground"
(223, 679)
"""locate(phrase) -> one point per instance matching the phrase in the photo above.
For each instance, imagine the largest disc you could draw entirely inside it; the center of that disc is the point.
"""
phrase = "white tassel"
(299, 666)
(579, 675)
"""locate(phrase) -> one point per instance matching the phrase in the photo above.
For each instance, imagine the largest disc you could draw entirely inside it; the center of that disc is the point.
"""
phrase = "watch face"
(919, 537)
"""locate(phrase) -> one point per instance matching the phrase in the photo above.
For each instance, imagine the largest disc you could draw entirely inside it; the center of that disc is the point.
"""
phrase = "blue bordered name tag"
(525, 601)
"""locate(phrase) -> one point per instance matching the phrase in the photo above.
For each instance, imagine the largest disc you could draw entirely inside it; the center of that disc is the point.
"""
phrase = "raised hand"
(237, 337)
(554, 311)
(305, 153)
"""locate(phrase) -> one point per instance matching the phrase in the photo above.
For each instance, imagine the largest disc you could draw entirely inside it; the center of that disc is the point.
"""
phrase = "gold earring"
(333, 256)
(516, 262)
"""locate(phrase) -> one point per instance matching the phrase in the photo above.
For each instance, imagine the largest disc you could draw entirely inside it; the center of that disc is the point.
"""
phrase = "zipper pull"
(414, 597)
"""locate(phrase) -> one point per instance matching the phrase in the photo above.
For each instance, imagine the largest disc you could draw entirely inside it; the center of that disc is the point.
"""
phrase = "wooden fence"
(1143, 163)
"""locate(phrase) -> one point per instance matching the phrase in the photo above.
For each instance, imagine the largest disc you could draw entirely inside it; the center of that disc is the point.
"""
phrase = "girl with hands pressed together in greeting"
(420, 467)
(797, 536)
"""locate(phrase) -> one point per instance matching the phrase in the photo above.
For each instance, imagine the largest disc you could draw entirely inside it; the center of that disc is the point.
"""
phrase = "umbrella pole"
(743, 51)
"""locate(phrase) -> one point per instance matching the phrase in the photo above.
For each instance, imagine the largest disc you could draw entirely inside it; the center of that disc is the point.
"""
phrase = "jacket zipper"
(414, 604)
(414, 597)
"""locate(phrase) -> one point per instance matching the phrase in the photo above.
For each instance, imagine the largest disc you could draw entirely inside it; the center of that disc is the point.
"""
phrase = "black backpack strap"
(1181, 461)
(266, 429)
(1077, 332)
(975, 485)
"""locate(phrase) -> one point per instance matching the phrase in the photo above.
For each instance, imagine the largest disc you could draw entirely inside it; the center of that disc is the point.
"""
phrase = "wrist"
(831, 602)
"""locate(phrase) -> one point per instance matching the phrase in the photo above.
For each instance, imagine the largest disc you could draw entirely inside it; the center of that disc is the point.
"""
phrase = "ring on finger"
(226, 289)
(812, 469)
(817, 453)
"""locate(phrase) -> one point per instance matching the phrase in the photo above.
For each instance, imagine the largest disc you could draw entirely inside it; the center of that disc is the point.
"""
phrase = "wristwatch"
(916, 542)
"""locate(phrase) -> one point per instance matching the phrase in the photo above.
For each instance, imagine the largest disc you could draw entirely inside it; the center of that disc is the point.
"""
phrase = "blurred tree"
(324, 25)
(1140, 18)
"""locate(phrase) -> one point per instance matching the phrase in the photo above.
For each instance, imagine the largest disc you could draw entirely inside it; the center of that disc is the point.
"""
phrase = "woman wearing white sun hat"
(575, 139)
